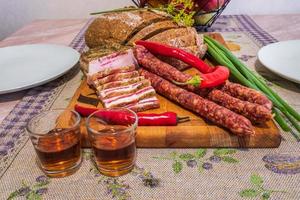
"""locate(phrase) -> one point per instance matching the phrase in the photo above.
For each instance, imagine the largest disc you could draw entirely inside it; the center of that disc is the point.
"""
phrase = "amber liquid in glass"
(114, 155)
(58, 152)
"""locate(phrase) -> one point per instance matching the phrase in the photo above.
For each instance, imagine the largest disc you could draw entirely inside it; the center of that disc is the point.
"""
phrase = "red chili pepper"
(210, 80)
(165, 50)
(215, 78)
(210, 77)
(144, 119)
(162, 119)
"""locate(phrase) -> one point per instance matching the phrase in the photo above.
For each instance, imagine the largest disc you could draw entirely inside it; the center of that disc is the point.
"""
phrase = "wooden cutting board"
(195, 133)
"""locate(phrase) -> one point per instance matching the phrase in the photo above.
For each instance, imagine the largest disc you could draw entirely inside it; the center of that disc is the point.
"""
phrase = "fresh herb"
(201, 159)
(118, 189)
(257, 189)
(181, 11)
(194, 81)
(177, 166)
(31, 192)
(284, 113)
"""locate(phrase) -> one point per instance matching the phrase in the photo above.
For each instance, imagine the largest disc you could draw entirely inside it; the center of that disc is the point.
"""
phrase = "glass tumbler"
(112, 136)
(55, 135)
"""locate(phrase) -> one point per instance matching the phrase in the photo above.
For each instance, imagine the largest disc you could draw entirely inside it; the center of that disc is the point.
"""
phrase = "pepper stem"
(194, 81)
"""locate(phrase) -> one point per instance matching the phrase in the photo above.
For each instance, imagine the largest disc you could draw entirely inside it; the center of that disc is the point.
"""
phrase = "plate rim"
(259, 56)
(41, 82)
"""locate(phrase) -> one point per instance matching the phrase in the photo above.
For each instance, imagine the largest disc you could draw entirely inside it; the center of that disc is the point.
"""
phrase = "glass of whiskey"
(55, 135)
(112, 136)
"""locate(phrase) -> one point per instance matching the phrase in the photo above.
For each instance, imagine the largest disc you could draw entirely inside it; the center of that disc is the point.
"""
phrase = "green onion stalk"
(259, 80)
(282, 110)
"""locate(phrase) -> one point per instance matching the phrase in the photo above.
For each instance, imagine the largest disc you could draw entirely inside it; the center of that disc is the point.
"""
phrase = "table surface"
(275, 172)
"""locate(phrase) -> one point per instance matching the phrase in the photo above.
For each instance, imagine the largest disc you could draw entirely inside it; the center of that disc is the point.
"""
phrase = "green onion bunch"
(284, 113)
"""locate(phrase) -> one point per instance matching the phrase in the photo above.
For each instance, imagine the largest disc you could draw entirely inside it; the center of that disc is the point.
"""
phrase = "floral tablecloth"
(159, 173)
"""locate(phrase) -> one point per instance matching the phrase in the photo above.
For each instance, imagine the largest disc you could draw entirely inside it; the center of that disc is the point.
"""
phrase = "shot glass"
(55, 135)
(112, 136)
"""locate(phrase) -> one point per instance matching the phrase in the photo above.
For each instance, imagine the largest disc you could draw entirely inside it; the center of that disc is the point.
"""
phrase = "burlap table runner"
(159, 173)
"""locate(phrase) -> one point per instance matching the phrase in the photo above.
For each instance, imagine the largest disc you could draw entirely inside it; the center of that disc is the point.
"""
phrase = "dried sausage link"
(222, 116)
(255, 112)
(148, 61)
(249, 109)
(246, 94)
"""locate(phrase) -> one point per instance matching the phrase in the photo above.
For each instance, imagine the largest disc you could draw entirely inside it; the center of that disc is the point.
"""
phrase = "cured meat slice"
(255, 112)
(109, 71)
(128, 89)
(247, 94)
(115, 77)
(144, 104)
(95, 53)
(123, 100)
(115, 60)
(222, 116)
(107, 65)
(120, 83)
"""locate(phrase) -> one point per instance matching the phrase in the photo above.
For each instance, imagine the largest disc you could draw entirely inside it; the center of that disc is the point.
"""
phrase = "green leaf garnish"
(186, 156)
(249, 193)
(33, 196)
(173, 154)
(256, 180)
(177, 166)
(220, 152)
(200, 153)
(266, 195)
(13, 195)
(200, 169)
(229, 159)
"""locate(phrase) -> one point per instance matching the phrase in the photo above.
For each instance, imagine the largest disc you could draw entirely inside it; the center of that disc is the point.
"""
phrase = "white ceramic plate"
(282, 58)
(27, 66)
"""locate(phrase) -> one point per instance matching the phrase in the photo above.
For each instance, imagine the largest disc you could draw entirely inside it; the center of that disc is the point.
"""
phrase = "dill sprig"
(181, 11)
